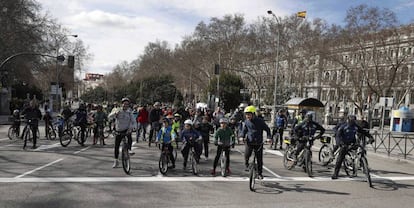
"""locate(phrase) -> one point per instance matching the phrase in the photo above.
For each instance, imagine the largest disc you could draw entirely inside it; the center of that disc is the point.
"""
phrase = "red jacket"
(142, 116)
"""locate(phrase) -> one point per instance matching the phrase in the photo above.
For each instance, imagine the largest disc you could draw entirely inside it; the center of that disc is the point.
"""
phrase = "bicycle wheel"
(66, 138)
(52, 133)
(325, 155)
(308, 163)
(287, 158)
(12, 133)
(194, 167)
(26, 137)
(365, 170)
(223, 164)
(349, 165)
(252, 177)
(106, 131)
(163, 163)
(125, 159)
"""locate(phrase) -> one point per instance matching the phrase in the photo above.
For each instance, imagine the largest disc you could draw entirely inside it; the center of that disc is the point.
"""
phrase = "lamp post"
(58, 97)
(277, 64)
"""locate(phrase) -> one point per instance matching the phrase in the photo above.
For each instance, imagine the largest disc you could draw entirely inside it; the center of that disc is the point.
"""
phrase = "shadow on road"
(277, 188)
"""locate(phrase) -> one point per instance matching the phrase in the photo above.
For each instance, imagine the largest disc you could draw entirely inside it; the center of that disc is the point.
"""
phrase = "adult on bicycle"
(33, 113)
(253, 134)
(279, 125)
(81, 120)
(124, 124)
(166, 137)
(16, 121)
(99, 118)
(307, 128)
(190, 138)
(155, 116)
(346, 134)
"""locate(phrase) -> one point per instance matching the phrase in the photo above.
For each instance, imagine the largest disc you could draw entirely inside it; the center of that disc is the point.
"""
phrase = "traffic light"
(71, 62)
(216, 69)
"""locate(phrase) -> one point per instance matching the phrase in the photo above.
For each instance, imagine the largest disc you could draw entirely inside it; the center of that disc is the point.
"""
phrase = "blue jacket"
(253, 130)
(187, 134)
(346, 133)
(166, 134)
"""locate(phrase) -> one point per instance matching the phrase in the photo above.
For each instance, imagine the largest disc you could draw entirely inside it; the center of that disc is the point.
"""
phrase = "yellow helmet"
(250, 109)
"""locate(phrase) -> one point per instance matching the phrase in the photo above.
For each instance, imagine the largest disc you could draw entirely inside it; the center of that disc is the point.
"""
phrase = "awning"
(297, 103)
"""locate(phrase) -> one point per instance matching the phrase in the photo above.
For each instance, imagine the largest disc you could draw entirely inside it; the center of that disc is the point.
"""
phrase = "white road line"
(274, 152)
(186, 179)
(4, 139)
(39, 168)
(45, 147)
(77, 152)
(264, 167)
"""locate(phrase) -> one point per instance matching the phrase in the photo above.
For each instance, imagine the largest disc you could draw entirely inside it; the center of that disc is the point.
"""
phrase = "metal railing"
(398, 143)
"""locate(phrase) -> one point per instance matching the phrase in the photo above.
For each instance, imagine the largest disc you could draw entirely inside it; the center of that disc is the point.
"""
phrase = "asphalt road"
(76, 176)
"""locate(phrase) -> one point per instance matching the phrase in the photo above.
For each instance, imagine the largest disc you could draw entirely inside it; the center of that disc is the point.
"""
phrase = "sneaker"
(260, 176)
(206, 158)
(115, 163)
(34, 147)
(184, 166)
(228, 172)
(130, 152)
(334, 177)
(246, 168)
(280, 147)
(173, 166)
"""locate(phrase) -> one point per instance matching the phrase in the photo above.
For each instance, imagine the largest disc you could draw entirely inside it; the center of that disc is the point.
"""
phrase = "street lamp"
(277, 63)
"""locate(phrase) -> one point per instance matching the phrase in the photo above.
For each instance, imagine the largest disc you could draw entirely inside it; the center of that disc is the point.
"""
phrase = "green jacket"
(224, 135)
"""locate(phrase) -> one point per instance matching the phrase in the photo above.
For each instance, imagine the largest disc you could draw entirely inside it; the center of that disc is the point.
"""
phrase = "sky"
(118, 30)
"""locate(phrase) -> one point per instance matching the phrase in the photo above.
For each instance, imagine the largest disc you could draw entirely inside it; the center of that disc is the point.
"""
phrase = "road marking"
(186, 179)
(77, 152)
(274, 152)
(45, 147)
(264, 167)
(39, 168)
(4, 139)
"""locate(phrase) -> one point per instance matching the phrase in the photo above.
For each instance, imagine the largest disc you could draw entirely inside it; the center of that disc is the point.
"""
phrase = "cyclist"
(33, 113)
(307, 128)
(124, 124)
(99, 118)
(299, 118)
(346, 134)
(176, 124)
(154, 118)
(190, 138)
(279, 125)
(82, 121)
(253, 134)
(205, 128)
(166, 136)
(223, 139)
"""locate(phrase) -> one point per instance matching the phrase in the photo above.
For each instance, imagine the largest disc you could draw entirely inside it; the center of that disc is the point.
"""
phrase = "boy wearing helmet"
(166, 137)
(190, 138)
(205, 128)
(253, 134)
(223, 139)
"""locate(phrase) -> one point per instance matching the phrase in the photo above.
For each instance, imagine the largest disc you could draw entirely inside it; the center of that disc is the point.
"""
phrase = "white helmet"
(16, 112)
(188, 121)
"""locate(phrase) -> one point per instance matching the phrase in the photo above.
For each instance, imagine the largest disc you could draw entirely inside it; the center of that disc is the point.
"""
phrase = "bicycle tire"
(252, 177)
(194, 167)
(366, 171)
(287, 163)
(106, 132)
(26, 137)
(163, 163)
(308, 163)
(223, 165)
(325, 155)
(349, 165)
(126, 165)
(51, 133)
(66, 138)
(11, 133)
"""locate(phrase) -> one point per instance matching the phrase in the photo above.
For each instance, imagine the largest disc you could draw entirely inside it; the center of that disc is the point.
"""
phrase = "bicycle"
(13, 132)
(27, 134)
(66, 134)
(165, 159)
(126, 163)
(99, 134)
(51, 133)
(192, 156)
(304, 158)
(78, 135)
(357, 159)
(253, 176)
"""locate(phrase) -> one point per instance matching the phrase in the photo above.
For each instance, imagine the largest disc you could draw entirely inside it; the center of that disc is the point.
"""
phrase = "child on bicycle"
(16, 121)
(190, 138)
(223, 139)
(100, 118)
(48, 122)
(166, 137)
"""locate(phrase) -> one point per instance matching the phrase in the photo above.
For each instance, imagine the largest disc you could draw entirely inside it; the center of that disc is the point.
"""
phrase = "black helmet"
(309, 116)
(303, 111)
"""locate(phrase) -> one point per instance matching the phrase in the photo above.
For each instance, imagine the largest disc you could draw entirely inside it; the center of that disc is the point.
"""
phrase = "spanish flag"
(301, 14)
